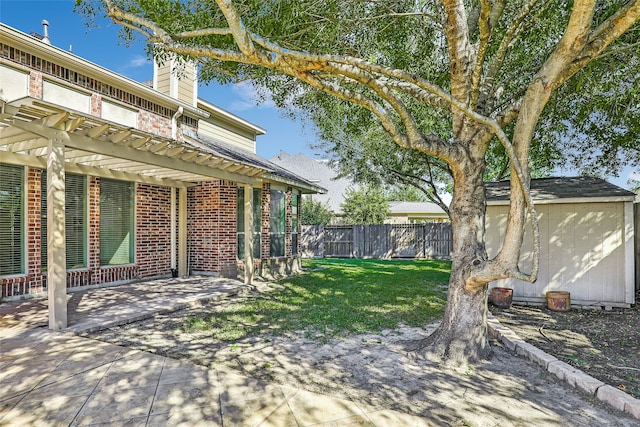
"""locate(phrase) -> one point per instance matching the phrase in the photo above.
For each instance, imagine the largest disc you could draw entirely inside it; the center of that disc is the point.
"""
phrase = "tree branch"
(483, 44)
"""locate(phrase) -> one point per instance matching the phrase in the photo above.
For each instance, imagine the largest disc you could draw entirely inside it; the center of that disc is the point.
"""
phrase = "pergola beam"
(81, 142)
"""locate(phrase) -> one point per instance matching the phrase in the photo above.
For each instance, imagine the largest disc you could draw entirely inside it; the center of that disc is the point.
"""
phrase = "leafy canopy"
(365, 205)
(315, 212)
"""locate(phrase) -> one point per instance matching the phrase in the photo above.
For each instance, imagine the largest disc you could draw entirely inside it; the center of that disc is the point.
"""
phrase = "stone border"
(574, 377)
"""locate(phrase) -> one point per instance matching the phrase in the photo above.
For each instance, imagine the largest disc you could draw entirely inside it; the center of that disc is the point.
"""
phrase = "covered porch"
(38, 134)
(101, 308)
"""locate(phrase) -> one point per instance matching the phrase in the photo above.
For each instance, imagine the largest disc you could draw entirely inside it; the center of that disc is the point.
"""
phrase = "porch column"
(56, 237)
(248, 234)
(173, 226)
(182, 232)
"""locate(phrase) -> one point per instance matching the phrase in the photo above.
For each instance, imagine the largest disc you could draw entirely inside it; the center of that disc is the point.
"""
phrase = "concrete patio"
(60, 379)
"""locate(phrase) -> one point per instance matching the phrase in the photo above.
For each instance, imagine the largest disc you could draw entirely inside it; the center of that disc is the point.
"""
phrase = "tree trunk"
(462, 336)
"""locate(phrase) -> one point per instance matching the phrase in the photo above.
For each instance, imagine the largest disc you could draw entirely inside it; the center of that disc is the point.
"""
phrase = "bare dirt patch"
(604, 344)
(377, 370)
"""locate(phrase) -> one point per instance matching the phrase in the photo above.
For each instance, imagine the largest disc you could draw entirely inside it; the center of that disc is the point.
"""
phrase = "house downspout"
(174, 122)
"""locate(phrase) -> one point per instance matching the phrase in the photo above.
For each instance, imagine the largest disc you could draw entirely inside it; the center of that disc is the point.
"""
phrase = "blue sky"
(102, 46)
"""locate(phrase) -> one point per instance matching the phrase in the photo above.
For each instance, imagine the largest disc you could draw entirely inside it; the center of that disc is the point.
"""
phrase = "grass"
(336, 297)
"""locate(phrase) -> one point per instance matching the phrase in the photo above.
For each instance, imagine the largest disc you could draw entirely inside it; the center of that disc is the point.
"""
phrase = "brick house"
(104, 180)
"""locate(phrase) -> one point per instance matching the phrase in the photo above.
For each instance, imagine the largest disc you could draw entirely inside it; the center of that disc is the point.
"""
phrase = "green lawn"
(336, 297)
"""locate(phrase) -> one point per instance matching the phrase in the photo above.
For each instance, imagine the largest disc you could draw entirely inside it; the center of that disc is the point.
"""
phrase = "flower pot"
(558, 301)
(502, 297)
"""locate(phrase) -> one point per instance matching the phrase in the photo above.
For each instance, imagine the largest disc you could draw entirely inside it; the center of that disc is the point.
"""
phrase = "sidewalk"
(49, 378)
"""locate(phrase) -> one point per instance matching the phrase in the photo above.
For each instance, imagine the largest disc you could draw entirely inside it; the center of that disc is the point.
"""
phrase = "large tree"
(497, 71)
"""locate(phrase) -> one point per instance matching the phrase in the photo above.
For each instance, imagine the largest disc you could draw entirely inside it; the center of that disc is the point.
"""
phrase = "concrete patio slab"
(59, 378)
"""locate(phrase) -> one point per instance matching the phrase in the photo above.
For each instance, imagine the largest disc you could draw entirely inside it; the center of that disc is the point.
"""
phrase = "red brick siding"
(94, 230)
(96, 105)
(37, 281)
(35, 84)
(212, 228)
(153, 123)
(288, 223)
(153, 230)
(265, 237)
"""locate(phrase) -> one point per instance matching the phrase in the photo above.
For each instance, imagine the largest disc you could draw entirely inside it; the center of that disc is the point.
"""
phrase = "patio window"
(294, 224)
(277, 223)
(257, 210)
(11, 219)
(75, 202)
(116, 222)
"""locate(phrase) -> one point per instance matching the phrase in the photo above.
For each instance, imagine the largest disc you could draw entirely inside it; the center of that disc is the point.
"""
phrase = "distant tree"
(405, 193)
(366, 205)
(315, 212)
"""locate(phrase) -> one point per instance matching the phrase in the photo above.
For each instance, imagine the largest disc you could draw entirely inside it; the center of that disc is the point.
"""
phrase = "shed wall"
(582, 250)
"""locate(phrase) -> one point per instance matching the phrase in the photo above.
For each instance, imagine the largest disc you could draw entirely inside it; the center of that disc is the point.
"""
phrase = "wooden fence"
(433, 240)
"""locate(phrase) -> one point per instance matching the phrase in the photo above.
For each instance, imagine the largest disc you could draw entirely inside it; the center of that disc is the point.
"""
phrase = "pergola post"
(56, 236)
(182, 232)
(248, 234)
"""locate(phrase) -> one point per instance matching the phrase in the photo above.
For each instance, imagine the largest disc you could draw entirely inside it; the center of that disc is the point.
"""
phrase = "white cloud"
(138, 61)
(248, 98)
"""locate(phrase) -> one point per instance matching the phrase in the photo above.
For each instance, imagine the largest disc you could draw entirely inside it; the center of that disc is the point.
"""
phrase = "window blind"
(116, 222)
(277, 223)
(75, 199)
(11, 219)
(257, 211)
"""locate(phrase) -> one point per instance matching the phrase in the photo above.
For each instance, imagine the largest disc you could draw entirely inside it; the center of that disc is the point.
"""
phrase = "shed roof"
(562, 190)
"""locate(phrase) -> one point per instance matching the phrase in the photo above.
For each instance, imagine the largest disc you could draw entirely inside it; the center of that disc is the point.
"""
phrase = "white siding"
(119, 114)
(15, 84)
(582, 250)
(230, 136)
(66, 97)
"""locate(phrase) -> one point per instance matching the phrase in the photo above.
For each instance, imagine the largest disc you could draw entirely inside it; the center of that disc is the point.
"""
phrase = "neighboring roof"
(562, 190)
(422, 208)
(319, 173)
(277, 172)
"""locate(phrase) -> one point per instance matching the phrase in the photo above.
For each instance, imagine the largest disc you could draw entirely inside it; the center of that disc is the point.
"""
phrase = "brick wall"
(265, 237)
(96, 105)
(288, 225)
(35, 84)
(34, 280)
(153, 230)
(153, 123)
(212, 228)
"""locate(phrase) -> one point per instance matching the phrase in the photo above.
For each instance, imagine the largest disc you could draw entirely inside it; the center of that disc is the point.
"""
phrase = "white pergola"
(43, 135)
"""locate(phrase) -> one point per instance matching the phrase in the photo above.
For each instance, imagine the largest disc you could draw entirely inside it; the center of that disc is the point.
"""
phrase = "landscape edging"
(605, 393)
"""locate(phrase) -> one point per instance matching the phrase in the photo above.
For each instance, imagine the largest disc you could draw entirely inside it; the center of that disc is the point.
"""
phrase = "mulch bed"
(603, 344)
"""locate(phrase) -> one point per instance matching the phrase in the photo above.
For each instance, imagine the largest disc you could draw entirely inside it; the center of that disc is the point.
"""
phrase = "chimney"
(179, 81)
(45, 28)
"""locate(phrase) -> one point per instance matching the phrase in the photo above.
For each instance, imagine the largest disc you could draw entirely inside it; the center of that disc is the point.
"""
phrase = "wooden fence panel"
(432, 240)
(312, 241)
(407, 241)
(438, 240)
(338, 241)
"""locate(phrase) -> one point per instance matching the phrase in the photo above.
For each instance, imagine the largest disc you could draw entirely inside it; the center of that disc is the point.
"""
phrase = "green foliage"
(314, 212)
(404, 193)
(336, 297)
(365, 205)
(591, 122)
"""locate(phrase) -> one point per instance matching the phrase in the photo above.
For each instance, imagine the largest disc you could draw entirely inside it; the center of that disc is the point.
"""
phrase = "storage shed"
(586, 241)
